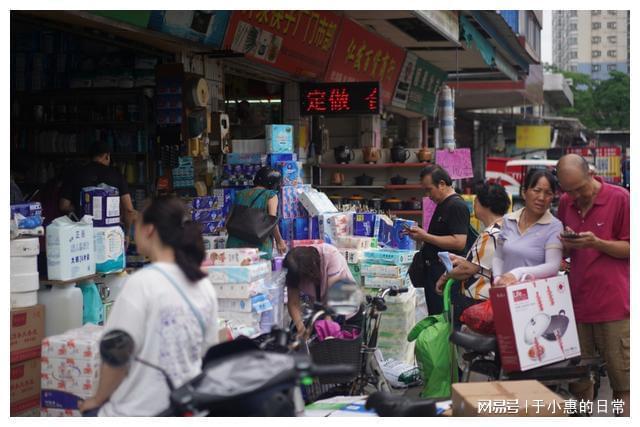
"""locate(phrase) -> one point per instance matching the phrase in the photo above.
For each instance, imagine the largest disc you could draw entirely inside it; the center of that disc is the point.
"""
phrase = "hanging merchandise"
(447, 123)
(92, 309)
(197, 93)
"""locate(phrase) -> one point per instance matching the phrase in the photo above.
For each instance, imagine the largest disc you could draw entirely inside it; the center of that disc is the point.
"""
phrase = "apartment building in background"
(592, 42)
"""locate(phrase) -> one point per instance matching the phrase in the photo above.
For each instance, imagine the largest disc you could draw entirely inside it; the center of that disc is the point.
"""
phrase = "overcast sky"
(547, 53)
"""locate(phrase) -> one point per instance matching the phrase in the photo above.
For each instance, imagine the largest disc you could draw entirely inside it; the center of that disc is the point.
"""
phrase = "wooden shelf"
(403, 187)
(87, 92)
(372, 166)
(416, 213)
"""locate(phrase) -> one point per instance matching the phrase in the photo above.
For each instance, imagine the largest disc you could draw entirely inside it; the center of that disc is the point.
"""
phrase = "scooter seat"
(474, 342)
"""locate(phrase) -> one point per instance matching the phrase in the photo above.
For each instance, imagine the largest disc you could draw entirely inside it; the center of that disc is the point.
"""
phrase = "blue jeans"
(92, 412)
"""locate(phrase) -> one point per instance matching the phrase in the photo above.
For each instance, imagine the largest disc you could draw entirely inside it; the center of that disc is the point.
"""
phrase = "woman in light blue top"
(529, 243)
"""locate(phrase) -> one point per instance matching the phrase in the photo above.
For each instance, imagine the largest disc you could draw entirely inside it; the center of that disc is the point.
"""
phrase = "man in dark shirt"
(447, 232)
(97, 172)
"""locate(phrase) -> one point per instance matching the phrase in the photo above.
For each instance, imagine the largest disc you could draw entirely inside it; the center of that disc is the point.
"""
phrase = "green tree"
(600, 104)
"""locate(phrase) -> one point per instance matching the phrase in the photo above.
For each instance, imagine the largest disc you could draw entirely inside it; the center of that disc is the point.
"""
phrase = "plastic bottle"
(63, 308)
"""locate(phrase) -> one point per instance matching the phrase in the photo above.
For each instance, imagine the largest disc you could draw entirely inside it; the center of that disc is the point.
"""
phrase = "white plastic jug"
(63, 308)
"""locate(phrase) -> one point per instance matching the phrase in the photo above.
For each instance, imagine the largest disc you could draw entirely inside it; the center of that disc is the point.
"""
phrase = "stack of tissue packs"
(70, 370)
(239, 278)
(397, 322)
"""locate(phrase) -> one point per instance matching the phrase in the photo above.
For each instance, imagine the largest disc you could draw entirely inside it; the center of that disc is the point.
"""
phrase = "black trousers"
(432, 273)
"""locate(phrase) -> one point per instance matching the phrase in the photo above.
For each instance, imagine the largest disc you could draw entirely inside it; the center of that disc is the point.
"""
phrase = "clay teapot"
(371, 154)
(399, 154)
(337, 178)
(424, 155)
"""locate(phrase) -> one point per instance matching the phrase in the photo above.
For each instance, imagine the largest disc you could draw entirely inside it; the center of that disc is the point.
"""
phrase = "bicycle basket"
(336, 351)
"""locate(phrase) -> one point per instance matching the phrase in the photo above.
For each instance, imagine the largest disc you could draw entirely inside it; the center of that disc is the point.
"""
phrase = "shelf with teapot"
(373, 157)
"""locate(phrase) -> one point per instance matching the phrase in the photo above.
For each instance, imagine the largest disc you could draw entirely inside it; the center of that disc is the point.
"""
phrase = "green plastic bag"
(434, 353)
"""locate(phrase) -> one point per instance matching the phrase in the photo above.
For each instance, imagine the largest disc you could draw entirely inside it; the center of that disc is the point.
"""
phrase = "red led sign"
(340, 98)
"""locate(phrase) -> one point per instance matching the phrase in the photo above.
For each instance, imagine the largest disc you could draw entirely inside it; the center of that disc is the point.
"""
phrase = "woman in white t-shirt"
(170, 310)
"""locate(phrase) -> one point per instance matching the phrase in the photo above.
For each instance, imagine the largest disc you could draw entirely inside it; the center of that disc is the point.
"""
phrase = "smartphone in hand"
(569, 235)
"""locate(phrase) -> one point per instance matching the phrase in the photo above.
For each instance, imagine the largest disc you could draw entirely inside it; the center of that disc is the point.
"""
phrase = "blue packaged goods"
(383, 229)
(290, 206)
(26, 209)
(207, 215)
(279, 138)
(333, 225)
(212, 227)
(109, 249)
(236, 274)
(102, 203)
(205, 202)
(246, 159)
(70, 248)
(301, 231)
(274, 159)
(225, 198)
(364, 224)
(290, 172)
(400, 239)
(315, 228)
(389, 256)
(256, 303)
(287, 229)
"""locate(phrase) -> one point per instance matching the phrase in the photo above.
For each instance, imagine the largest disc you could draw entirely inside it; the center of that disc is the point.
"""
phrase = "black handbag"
(250, 224)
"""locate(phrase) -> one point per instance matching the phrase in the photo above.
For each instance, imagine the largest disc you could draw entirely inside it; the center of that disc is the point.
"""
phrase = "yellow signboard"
(533, 137)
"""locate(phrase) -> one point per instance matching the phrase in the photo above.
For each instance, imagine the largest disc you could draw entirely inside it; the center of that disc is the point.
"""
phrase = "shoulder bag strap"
(194, 310)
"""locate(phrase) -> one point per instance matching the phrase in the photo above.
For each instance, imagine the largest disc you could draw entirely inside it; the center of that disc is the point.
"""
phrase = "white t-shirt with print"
(166, 333)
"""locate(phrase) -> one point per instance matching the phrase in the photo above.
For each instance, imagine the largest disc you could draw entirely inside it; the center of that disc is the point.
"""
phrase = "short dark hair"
(99, 148)
(437, 173)
(534, 175)
(268, 178)
(494, 197)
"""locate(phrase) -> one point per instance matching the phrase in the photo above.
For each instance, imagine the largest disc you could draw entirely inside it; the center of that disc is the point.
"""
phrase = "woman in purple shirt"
(529, 243)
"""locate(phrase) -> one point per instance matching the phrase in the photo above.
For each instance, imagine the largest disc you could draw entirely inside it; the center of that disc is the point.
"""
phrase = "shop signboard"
(334, 99)
(361, 55)
(418, 86)
(296, 42)
(528, 137)
(200, 26)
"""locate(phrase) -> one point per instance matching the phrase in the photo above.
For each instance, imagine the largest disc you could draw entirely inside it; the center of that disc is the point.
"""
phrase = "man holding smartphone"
(596, 217)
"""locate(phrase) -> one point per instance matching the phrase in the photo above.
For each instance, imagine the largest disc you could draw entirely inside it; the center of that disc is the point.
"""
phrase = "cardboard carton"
(27, 332)
(535, 324)
(102, 203)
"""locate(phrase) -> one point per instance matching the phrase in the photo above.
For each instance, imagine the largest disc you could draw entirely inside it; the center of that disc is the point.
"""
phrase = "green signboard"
(418, 86)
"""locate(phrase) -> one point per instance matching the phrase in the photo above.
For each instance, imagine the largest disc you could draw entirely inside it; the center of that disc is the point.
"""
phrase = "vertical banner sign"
(456, 162)
(361, 56)
(296, 42)
(418, 86)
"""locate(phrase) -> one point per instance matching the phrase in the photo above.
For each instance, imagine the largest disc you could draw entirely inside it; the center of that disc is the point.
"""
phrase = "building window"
(612, 25)
(612, 39)
(595, 12)
(595, 68)
(573, 41)
(596, 39)
(612, 67)
(573, 55)
(573, 27)
(573, 68)
(612, 12)
(573, 13)
(596, 25)
(612, 53)
(595, 53)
